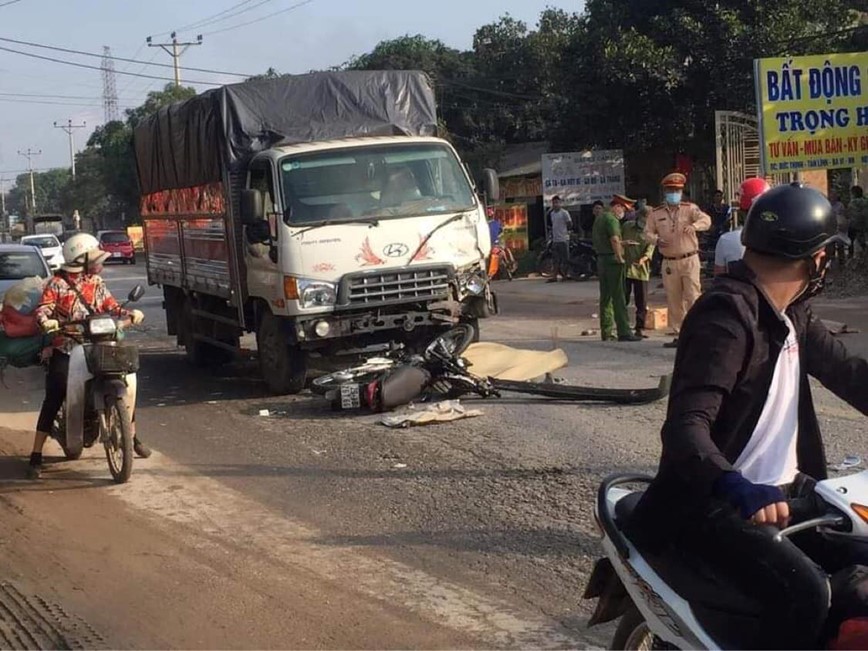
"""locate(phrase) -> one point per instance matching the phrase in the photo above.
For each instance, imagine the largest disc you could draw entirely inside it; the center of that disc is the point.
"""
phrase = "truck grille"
(416, 284)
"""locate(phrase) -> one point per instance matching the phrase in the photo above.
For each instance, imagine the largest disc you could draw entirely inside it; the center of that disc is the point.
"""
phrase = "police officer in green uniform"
(606, 235)
(637, 254)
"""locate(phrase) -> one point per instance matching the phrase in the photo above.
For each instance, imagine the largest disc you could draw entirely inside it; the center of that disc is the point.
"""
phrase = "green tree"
(157, 99)
(651, 73)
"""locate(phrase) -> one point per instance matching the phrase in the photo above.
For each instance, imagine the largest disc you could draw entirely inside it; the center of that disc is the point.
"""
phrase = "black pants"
(55, 391)
(856, 235)
(639, 289)
(788, 579)
(561, 259)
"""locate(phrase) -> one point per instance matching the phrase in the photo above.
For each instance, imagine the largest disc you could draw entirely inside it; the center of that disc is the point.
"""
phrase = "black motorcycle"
(400, 377)
(581, 265)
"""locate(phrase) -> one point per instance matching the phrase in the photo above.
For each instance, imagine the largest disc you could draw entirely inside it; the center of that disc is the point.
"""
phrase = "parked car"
(20, 261)
(119, 245)
(52, 249)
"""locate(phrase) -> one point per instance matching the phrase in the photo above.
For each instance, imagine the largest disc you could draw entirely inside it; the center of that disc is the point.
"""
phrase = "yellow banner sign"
(813, 112)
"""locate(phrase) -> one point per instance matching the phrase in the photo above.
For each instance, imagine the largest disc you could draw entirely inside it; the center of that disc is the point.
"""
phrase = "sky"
(302, 36)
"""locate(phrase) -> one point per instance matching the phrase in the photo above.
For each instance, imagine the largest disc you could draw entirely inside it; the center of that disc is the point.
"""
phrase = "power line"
(259, 20)
(11, 2)
(195, 24)
(213, 20)
(114, 58)
(84, 65)
(38, 101)
(141, 68)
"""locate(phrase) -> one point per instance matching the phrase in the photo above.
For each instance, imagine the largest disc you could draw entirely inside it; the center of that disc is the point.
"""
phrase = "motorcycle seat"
(718, 605)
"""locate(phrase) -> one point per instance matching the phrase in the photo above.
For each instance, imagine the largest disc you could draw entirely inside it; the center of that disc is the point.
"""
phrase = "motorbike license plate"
(350, 396)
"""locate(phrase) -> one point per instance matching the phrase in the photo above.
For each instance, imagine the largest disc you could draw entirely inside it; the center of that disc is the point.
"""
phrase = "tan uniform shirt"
(665, 227)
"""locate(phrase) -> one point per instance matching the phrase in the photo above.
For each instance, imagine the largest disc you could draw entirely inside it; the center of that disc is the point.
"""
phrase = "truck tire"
(283, 367)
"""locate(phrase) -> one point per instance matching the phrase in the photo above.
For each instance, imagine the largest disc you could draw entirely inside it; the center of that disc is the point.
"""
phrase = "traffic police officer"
(673, 226)
(606, 235)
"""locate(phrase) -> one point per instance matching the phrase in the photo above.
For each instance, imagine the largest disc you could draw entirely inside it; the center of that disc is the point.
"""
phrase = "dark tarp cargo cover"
(189, 143)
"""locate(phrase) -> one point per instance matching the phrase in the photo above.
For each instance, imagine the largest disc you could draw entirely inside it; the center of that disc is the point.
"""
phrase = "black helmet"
(790, 221)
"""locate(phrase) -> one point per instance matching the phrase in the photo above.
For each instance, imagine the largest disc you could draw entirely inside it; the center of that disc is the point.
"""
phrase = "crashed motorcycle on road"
(441, 372)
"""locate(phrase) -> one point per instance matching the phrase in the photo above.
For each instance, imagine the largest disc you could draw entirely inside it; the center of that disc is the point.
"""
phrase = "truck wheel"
(283, 367)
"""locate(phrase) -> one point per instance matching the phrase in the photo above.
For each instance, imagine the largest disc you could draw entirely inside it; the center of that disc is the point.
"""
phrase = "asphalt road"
(484, 526)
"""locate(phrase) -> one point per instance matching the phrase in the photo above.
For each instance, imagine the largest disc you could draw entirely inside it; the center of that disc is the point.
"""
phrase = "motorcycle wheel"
(58, 433)
(118, 439)
(633, 633)
(546, 266)
(456, 339)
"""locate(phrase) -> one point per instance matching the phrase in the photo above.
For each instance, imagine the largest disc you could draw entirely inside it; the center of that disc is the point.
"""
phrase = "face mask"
(817, 279)
(673, 198)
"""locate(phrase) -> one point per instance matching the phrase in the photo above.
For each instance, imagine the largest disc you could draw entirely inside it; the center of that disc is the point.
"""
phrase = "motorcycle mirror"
(136, 293)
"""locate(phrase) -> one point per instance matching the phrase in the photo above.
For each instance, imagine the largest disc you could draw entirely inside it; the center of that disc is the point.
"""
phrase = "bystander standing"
(561, 225)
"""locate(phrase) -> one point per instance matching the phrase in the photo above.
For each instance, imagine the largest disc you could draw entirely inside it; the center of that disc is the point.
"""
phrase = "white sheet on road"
(426, 414)
(489, 359)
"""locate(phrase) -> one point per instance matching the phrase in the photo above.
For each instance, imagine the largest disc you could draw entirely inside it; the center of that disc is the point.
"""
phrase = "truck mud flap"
(587, 394)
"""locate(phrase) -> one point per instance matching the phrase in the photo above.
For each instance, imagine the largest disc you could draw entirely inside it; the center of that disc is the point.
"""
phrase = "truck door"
(264, 279)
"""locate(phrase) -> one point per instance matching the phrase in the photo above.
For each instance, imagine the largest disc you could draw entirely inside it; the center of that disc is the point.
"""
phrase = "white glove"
(50, 325)
(137, 316)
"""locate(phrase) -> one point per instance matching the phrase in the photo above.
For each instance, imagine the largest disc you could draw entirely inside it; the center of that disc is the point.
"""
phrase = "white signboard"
(583, 177)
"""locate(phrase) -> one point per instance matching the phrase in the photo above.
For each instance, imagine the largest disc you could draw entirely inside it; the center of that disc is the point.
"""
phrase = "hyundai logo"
(396, 250)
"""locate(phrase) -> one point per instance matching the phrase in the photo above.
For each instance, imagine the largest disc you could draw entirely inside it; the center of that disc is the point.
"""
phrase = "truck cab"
(362, 242)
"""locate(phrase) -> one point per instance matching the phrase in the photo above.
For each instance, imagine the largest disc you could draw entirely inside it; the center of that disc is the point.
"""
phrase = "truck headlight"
(316, 293)
(472, 282)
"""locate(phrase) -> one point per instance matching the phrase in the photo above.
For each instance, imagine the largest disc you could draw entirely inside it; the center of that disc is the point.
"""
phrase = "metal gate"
(738, 150)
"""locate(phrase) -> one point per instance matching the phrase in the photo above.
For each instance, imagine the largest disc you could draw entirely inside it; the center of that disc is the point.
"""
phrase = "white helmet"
(80, 250)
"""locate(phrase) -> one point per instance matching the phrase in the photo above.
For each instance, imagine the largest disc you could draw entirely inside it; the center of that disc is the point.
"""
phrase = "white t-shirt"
(729, 249)
(770, 455)
(561, 224)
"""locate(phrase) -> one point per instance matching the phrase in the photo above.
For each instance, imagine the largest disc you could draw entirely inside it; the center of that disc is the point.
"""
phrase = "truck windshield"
(378, 182)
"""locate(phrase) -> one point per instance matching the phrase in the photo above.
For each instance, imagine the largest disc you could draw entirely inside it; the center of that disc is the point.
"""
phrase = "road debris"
(435, 412)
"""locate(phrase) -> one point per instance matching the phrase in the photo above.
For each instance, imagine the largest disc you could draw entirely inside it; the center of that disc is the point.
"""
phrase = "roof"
(343, 143)
(522, 159)
(16, 248)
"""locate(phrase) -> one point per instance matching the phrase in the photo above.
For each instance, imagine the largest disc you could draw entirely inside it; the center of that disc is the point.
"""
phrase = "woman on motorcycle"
(741, 438)
(73, 293)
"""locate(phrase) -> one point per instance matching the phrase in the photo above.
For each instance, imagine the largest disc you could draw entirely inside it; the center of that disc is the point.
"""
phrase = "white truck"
(318, 211)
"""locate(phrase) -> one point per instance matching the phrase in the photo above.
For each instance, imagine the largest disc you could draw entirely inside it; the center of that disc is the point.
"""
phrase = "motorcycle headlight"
(316, 293)
(104, 325)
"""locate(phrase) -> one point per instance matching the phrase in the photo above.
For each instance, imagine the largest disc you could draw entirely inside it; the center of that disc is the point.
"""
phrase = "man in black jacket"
(741, 437)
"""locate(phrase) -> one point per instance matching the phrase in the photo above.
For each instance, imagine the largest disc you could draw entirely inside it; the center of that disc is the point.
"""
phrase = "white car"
(52, 249)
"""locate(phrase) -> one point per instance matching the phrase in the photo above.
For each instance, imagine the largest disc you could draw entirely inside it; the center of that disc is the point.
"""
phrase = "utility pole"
(29, 154)
(175, 53)
(69, 127)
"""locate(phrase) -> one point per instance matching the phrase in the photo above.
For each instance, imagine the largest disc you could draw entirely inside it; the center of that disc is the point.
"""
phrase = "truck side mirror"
(490, 185)
(258, 232)
(252, 206)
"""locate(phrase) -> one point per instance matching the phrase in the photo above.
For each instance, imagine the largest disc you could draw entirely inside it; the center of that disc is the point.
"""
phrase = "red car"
(119, 245)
